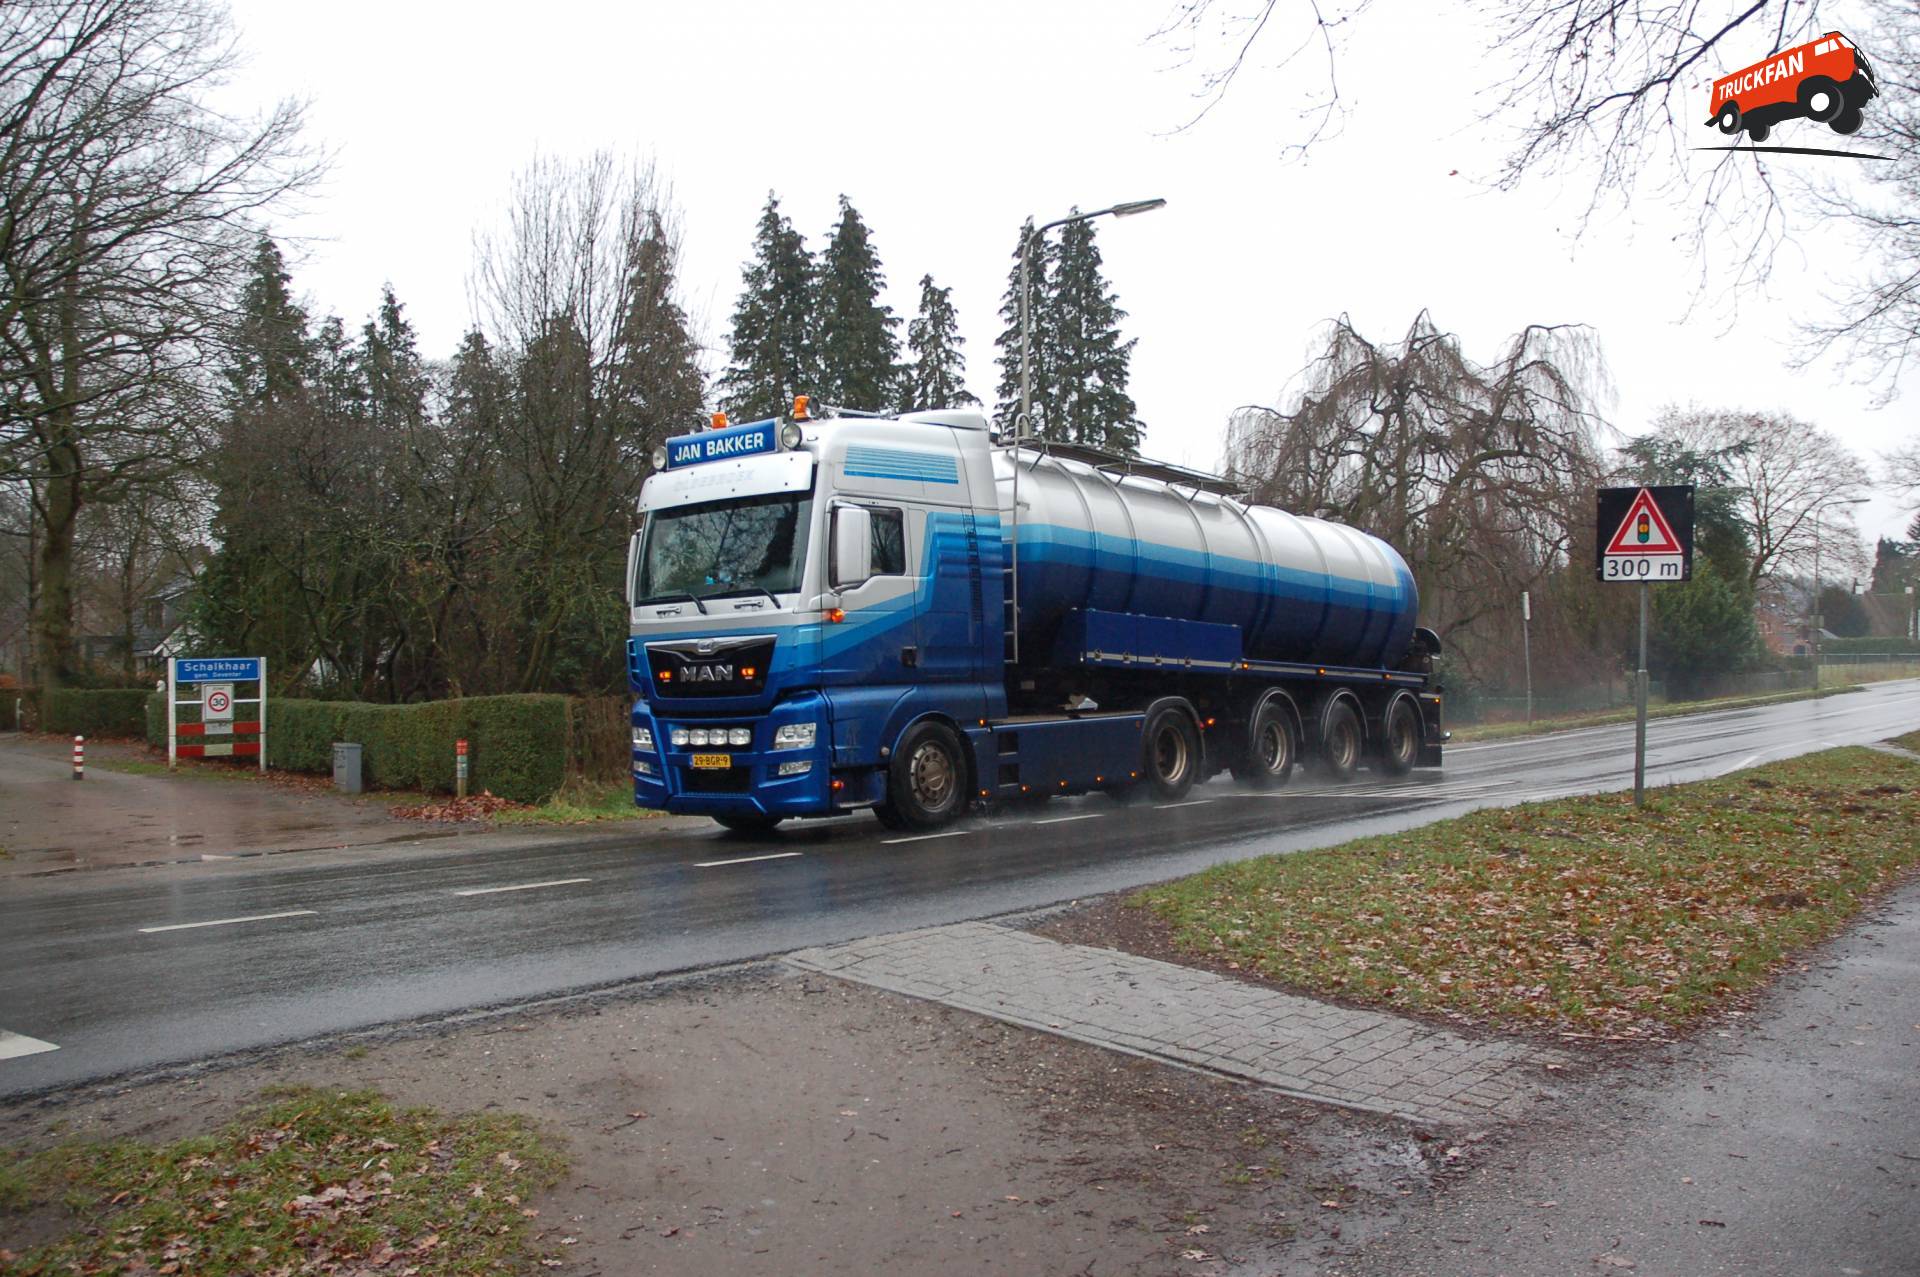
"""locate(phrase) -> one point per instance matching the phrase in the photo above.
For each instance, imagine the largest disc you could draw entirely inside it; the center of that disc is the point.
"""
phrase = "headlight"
(679, 738)
(796, 767)
(643, 739)
(740, 736)
(643, 769)
(794, 736)
(697, 737)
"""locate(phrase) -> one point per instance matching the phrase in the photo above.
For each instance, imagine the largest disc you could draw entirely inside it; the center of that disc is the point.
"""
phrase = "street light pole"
(1023, 424)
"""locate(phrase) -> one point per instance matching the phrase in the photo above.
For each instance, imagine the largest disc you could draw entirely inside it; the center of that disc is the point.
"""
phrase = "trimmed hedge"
(1870, 646)
(518, 747)
(107, 712)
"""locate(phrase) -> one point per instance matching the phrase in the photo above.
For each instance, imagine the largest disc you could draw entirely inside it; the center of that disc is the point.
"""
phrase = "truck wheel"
(1271, 749)
(748, 822)
(1170, 753)
(1757, 132)
(1820, 98)
(1728, 121)
(1848, 121)
(1341, 740)
(1400, 743)
(927, 780)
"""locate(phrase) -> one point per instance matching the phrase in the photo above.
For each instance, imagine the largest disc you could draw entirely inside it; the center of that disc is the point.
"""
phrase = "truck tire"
(1728, 121)
(1820, 98)
(1400, 736)
(1848, 121)
(1342, 739)
(1170, 753)
(927, 779)
(1272, 747)
(748, 822)
(1758, 131)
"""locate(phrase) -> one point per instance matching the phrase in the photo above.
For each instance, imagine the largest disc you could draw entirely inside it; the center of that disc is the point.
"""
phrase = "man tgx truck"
(839, 612)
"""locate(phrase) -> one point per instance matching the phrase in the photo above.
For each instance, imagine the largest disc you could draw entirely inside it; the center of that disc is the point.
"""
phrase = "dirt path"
(784, 1124)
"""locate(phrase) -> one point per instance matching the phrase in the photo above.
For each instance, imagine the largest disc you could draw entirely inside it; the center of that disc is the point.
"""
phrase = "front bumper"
(665, 778)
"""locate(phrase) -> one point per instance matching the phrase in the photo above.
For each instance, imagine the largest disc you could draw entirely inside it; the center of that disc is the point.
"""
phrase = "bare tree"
(1478, 473)
(1787, 474)
(124, 200)
(579, 292)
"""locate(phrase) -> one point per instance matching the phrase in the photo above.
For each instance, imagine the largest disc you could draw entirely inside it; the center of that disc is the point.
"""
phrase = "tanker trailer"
(902, 614)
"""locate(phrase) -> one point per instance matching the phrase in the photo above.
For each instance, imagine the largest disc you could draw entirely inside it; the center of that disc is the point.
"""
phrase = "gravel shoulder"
(777, 1123)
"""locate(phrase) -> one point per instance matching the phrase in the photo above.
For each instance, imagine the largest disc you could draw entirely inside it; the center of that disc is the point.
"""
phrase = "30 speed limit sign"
(216, 708)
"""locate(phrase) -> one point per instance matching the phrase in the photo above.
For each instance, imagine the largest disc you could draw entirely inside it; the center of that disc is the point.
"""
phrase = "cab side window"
(889, 543)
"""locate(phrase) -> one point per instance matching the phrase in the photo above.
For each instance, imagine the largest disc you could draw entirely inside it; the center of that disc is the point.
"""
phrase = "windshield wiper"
(674, 598)
(744, 590)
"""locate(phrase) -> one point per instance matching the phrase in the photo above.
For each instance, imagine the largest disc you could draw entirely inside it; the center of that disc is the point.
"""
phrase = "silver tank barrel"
(1299, 589)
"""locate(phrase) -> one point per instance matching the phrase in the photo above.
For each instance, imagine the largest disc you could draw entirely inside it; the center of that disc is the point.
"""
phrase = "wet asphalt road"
(113, 972)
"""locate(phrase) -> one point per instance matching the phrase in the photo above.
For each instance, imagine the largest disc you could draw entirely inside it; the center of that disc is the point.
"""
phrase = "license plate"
(713, 762)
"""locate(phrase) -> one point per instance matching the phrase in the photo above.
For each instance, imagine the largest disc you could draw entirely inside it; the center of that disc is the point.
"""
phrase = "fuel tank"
(1299, 589)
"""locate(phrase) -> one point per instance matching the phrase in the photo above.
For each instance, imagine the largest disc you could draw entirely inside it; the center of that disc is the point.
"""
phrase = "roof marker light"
(719, 421)
(799, 407)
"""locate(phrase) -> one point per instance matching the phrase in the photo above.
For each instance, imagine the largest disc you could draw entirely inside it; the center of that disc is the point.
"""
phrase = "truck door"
(881, 643)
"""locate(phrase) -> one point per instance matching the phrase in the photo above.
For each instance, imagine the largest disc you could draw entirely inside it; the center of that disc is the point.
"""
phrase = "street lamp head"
(1137, 206)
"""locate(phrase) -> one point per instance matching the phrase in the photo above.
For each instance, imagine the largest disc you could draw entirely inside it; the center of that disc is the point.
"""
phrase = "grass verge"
(580, 802)
(1581, 916)
(315, 1182)
(1605, 718)
(1910, 741)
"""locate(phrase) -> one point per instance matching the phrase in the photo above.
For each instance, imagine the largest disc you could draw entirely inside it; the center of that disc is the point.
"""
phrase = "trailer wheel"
(1341, 739)
(1848, 121)
(927, 780)
(1272, 748)
(1821, 98)
(1170, 753)
(748, 822)
(1400, 740)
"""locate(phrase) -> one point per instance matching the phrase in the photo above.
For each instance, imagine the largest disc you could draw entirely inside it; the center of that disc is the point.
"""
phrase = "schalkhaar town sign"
(213, 722)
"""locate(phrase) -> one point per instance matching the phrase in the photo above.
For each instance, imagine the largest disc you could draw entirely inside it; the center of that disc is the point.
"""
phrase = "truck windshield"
(747, 545)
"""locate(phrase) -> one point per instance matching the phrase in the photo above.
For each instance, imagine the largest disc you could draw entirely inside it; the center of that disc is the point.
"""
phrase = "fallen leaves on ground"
(481, 806)
(322, 1183)
(1583, 916)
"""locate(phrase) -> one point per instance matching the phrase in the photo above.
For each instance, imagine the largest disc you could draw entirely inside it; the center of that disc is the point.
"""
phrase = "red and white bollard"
(79, 757)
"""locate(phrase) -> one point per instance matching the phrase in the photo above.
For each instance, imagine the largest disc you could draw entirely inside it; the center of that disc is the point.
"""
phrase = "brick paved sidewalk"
(1315, 1050)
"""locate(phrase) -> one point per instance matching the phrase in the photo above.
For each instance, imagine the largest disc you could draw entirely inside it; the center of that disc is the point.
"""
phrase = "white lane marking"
(227, 922)
(521, 886)
(951, 833)
(1061, 820)
(1191, 802)
(1749, 761)
(745, 860)
(15, 1045)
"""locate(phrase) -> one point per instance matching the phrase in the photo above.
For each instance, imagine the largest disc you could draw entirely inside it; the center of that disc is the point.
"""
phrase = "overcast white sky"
(947, 125)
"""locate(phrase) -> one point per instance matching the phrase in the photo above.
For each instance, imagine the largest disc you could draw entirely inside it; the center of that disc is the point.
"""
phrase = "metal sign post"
(1643, 535)
(1526, 644)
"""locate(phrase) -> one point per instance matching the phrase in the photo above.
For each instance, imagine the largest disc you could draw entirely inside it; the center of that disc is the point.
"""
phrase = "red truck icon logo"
(1827, 81)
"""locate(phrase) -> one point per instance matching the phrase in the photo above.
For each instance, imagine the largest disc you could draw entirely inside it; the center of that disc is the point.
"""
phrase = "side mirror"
(852, 546)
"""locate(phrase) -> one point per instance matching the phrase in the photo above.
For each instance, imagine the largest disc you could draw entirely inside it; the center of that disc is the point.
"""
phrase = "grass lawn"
(1581, 916)
(315, 1182)
(1910, 741)
(581, 802)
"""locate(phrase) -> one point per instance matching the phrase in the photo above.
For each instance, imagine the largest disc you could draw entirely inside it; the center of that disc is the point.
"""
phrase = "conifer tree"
(269, 344)
(1089, 377)
(773, 354)
(937, 375)
(396, 378)
(657, 380)
(859, 351)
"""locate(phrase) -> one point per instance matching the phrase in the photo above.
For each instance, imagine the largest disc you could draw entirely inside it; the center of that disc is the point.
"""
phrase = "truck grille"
(709, 667)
